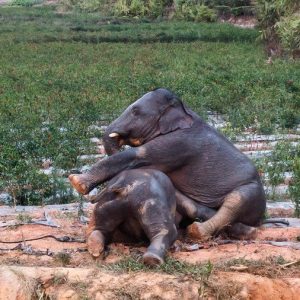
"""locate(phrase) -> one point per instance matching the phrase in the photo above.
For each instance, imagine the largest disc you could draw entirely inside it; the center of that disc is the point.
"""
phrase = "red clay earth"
(64, 270)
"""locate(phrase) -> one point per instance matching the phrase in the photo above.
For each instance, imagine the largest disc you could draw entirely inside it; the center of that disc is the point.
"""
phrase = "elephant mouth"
(125, 140)
(118, 138)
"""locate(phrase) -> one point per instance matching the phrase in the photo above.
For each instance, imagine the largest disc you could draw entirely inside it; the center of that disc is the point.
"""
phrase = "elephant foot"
(198, 232)
(242, 232)
(77, 181)
(151, 259)
(95, 243)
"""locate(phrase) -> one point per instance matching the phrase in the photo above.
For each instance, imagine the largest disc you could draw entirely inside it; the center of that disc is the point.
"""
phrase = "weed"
(24, 218)
(269, 267)
(81, 288)
(59, 278)
(63, 258)
(224, 291)
(284, 158)
(172, 266)
(126, 294)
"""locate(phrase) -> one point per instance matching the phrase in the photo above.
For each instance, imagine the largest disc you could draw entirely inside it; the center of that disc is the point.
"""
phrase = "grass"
(62, 72)
(271, 267)
(24, 218)
(63, 258)
(171, 266)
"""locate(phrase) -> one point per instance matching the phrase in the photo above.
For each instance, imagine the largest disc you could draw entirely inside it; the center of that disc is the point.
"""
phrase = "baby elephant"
(138, 202)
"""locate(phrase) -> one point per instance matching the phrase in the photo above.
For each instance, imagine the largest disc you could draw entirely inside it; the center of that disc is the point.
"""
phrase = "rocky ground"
(57, 265)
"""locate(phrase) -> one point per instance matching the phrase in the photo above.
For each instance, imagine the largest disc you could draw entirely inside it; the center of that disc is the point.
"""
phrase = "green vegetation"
(62, 73)
(191, 10)
(196, 12)
(26, 3)
(285, 158)
(24, 218)
(63, 258)
(280, 24)
(171, 266)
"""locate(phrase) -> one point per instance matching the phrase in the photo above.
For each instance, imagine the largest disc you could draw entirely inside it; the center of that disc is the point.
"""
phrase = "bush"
(288, 30)
(285, 158)
(279, 22)
(294, 188)
(190, 11)
(87, 5)
(121, 8)
(204, 14)
(139, 8)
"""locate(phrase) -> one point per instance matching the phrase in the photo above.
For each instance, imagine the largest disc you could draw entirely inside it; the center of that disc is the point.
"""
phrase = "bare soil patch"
(59, 267)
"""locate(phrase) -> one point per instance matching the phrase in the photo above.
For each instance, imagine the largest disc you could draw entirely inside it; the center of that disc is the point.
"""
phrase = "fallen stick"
(28, 250)
(63, 239)
(43, 223)
(290, 264)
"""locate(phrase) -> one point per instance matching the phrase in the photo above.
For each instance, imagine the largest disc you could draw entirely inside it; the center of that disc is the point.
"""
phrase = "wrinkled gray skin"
(214, 180)
(136, 202)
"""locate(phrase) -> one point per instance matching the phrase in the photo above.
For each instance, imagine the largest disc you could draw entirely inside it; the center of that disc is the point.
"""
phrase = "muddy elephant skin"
(204, 166)
(136, 202)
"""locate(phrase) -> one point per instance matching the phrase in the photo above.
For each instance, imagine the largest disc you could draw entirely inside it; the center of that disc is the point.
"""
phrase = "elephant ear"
(176, 116)
(118, 187)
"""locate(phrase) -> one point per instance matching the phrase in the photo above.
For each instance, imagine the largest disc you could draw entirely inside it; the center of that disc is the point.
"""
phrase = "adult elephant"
(214, 180)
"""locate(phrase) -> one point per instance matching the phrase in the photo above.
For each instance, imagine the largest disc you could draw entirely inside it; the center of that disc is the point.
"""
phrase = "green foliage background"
(61, 73)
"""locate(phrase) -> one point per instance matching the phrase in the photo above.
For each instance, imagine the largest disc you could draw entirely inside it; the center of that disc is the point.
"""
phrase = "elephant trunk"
(112, 141)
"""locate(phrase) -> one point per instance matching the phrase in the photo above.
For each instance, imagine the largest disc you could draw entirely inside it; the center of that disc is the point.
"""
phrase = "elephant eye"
(135, 111)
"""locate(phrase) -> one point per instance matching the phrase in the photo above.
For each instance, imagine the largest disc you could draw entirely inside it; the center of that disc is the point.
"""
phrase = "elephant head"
(156, 113)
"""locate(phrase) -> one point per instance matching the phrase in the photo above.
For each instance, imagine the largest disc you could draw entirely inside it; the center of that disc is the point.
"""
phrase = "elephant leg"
(225, 216)
(159, 245)
(107, 218)
(189, 208)
(240, 206)
(158, 225)
(241, 231)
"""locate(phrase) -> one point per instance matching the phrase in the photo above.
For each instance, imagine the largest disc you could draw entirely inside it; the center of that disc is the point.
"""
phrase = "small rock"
(239, 268)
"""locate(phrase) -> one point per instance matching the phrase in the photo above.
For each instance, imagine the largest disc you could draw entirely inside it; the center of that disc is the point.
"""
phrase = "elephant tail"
(276, 221)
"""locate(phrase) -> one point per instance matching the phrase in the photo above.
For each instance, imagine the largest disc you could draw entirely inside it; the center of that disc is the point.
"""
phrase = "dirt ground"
(49, 268)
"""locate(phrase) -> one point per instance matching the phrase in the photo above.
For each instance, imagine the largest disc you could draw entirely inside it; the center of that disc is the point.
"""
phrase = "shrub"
(279, 23)
(87, 5)
(294, 188)
(288, 30)
(204, 14)
(285, 158)
(139, 8)
(191, 11)
(121, 8)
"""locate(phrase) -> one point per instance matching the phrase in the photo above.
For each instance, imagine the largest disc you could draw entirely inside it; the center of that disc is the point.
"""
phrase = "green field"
(60, 73)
